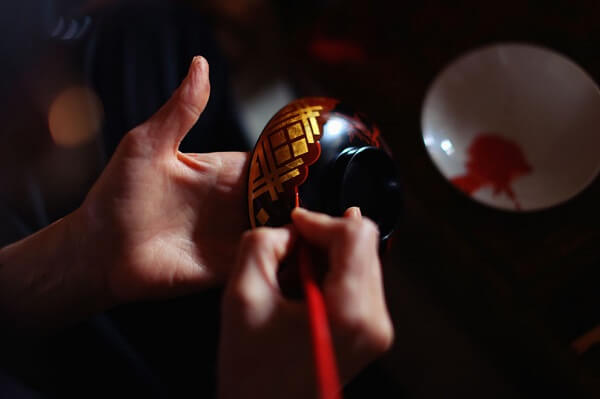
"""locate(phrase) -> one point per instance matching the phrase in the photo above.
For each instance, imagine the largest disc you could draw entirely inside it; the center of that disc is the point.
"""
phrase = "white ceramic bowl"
(515, 126)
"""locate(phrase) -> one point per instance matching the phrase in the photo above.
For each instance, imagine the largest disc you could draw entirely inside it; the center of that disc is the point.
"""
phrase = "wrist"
(91, 259)
(50, 279)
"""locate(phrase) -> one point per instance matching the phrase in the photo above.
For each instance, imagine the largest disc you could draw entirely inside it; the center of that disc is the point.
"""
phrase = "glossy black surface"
(353, 170)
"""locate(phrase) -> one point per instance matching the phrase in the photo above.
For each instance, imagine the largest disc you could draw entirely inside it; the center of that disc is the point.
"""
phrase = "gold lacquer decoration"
(279, 164)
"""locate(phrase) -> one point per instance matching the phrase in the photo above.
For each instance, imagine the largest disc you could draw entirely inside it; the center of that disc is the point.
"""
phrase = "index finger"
(318, 229)
(261, 252)
(350, 242)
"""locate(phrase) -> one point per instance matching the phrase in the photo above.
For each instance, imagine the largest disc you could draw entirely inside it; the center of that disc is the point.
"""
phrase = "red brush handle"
(328, 381)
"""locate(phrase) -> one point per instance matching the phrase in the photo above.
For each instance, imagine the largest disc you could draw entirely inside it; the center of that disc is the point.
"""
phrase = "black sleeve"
(13, 227)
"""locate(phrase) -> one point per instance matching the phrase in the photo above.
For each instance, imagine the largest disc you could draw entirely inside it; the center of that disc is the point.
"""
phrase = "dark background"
(485, 303)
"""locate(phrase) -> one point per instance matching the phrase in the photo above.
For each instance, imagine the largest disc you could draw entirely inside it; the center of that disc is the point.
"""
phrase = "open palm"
(164, 222)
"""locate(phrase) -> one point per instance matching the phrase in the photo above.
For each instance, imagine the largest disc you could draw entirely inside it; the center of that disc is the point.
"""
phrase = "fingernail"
(197, 67)
(353, 213)
(299, 209)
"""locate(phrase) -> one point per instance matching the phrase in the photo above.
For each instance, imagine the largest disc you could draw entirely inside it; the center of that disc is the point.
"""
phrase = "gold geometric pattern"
(277, 155)
(262, 216)
(299, 147)
(282, 154)
(295, 130)
(277, 139)
(306, 118)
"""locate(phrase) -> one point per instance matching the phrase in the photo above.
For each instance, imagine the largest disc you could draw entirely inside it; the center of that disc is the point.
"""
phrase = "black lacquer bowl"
(322, 155)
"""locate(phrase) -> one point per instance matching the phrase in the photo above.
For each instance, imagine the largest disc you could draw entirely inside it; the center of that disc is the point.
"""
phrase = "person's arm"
(49, 279)
(157, 223)
(265, 347)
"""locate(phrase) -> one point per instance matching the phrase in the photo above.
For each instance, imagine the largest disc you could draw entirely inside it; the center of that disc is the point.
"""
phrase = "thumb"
(169, 125)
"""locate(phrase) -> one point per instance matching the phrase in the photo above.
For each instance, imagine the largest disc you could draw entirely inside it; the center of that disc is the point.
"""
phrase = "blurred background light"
(75, 116)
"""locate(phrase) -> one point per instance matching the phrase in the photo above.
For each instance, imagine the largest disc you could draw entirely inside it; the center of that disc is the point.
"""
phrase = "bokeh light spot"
(75, 116)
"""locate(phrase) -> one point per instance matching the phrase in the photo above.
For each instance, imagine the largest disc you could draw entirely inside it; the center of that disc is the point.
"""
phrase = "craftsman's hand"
(157, 223)
(165, 222)
(265, 347)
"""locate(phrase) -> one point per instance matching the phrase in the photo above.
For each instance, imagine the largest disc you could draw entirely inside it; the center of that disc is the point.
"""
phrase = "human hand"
(156, 223)
(265, 347)
(159, 222)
